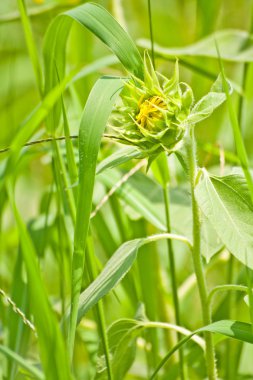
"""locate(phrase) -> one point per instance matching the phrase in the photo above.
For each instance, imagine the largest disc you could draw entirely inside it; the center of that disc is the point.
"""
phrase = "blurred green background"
(176, 23)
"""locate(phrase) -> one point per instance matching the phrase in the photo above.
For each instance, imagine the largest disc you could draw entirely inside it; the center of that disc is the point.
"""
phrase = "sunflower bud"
(152, 112)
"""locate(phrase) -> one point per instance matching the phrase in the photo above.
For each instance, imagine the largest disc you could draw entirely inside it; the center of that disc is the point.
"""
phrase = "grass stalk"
(99, 310)
(31, 44)
(151, 33)
(240, 147)
(197, 259)
(173, 277)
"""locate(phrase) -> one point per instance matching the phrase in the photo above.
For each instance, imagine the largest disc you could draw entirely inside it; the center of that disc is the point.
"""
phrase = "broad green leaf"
(52, 350)
(34, 371)
(226, 202)
(96, 113)
(115, 269)
(235, 45)
(233, 329)
(206, 106)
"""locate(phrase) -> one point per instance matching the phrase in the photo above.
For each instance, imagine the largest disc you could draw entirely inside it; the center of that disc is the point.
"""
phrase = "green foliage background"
(43, 198)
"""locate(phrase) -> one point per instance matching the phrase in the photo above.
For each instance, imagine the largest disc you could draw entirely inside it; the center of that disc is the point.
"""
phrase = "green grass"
(118, 262)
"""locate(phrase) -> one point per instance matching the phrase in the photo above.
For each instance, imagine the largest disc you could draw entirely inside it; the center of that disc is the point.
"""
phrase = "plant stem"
(197, 259)
(230, 369)
(173, 278)
(151, 33)
(99, 310)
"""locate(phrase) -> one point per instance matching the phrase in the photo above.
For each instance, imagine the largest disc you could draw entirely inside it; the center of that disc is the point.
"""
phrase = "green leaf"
(235, 45)
(121, 338)
(226, 202)
(96, 113)
(115, 269)
(101, 23)
(119, 157)
(233, 329)
(206, 106)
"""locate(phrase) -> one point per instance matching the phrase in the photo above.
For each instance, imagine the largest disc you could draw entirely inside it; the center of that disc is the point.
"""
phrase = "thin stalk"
(226, 288)
(31, 44)
(197, 259)
(229, 345)
(99, 310)
(246, 66)
(49, 139)
(151, 33)
(68, 191)
(173, 278)
(240, 147)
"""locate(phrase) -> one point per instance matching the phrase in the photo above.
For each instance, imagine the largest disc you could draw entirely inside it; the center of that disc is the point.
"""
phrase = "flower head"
(152, 112)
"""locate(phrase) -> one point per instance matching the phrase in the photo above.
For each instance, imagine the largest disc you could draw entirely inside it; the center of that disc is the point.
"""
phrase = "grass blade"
(115, 269)
(22, 362)
(53, 354)
(230, 42)
(94, 119)
(100, 22)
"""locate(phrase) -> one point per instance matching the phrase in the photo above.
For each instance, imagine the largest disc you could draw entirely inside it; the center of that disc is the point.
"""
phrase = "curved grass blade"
(115, 269)
(235, 45)
(233, 329)
(93, 123)
(100, 22)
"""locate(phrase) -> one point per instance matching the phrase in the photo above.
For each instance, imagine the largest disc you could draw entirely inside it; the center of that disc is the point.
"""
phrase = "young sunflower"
(153, 112)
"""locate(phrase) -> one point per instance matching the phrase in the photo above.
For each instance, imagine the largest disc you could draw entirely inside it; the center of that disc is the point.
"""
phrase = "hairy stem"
(197, 259)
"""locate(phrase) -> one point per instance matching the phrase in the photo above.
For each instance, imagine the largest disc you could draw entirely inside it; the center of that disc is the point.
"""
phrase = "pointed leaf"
(226, 202)
(206, 106)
